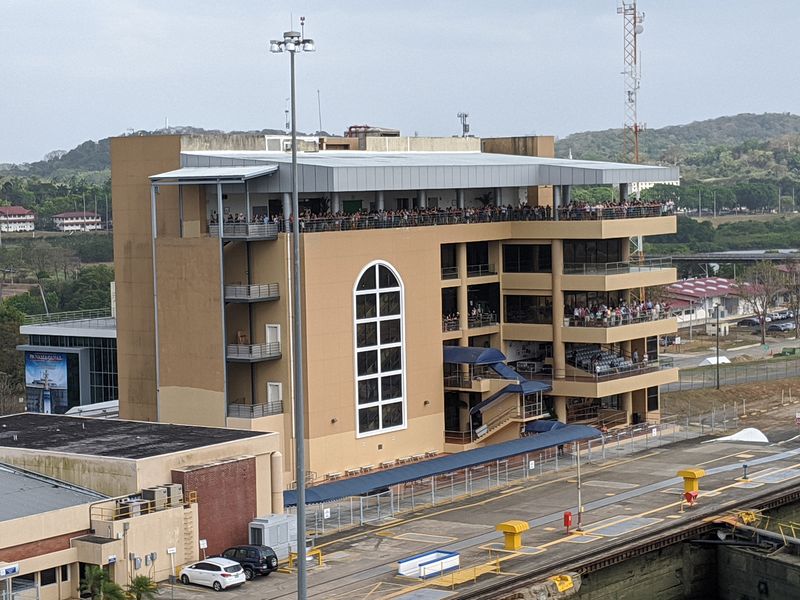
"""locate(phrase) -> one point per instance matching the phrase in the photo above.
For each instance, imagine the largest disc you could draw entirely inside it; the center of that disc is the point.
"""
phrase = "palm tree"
(142, 587)
(96, 582)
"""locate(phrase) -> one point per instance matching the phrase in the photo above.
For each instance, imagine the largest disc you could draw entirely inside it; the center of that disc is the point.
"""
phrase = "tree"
(10, 392)
(96, 583)
(142, 587)
(759, 286)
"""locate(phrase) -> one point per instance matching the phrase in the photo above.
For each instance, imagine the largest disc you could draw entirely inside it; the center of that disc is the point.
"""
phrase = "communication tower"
(462, 116)
(631, 75)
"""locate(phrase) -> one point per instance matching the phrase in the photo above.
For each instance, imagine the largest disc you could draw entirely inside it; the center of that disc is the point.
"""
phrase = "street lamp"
(716, 308)
(294, 42)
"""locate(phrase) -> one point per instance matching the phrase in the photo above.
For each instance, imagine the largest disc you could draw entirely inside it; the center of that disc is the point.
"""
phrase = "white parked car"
(217, 573)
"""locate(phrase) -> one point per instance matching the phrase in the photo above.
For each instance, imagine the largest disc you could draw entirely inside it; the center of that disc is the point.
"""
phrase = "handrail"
(662, 262)
(450, 325)
(245, 230)
(481, 270)
(254, 351)
(254, 411)
(70, 315)
(488, 214)
(449, 272)
(615, 321)
(252, 292)
(482, 320)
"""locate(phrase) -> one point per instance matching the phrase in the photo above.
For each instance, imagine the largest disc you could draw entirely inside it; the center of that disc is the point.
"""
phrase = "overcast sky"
(86, 69)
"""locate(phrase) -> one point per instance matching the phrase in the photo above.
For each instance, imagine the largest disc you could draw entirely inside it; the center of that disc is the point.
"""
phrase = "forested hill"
(676, 143)
(93, 158)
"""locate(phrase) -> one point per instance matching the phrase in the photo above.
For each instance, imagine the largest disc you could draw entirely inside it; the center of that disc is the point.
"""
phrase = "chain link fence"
(733, 374)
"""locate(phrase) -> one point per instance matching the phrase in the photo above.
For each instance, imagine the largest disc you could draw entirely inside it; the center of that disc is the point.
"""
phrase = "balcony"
(482, 320)
(481, 270)
(254, 411)
(615, 268)
(451, 324)
(250, 353)
(614, 380)
(617, 329)
(252, 293)
(245, 231)
(449, 272)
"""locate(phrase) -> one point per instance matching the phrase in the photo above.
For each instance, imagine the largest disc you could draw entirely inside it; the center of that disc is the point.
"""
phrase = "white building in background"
(16, 218)
(77, 221)
(693, 300)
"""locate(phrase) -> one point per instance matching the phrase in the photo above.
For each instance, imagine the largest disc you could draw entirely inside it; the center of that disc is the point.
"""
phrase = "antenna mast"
(632, 76)
(462, 116)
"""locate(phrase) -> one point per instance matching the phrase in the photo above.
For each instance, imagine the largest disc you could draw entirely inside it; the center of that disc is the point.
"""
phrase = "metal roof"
(359, 171)
(470, 355)
(214, 174)
(444, 464)
(23, 494)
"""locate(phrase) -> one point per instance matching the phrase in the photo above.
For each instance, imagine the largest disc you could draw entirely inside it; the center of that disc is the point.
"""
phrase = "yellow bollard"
(691, 483)
(512, 533)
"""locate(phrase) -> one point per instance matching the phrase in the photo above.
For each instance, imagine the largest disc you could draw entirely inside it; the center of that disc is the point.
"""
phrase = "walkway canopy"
(364, 484)
(468, 355)
(226, 174)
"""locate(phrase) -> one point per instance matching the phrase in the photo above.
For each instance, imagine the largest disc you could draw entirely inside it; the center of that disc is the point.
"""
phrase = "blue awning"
(525, 388)
(363, 484)
(543, 425)
(467, 355)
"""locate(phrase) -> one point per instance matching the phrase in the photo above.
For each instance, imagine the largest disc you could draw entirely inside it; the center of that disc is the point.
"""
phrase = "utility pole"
(632, 73)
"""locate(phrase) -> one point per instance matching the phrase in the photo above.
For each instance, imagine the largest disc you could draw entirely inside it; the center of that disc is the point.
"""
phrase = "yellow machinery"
(512, 533)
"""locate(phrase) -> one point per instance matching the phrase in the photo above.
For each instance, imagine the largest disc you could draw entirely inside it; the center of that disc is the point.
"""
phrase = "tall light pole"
(579, 528)
(294, 42)
(716, 307)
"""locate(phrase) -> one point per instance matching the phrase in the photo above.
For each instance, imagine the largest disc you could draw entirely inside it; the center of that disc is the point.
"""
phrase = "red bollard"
(567, 520)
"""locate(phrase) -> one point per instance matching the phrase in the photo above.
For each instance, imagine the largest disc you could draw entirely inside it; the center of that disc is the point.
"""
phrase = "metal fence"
(71, 315)
(385, 505)
(733, 374)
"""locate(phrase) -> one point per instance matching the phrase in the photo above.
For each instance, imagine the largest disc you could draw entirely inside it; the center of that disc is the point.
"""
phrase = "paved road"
(628, 494)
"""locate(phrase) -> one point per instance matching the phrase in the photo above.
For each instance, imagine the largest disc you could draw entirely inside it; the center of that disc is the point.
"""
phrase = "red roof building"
(16, 218)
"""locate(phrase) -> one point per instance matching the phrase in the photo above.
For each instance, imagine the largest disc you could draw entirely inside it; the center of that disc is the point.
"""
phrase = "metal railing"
(71, 315)
(450, 325)
(612, 268)
(264, 291)
(449, 272)
(628, 370)
(592, 320)
(488, 214)
(482, 320)
(254, 411)
(254, 351)
(459, 381)
(733, 374)
(481, 270)
(245, 230)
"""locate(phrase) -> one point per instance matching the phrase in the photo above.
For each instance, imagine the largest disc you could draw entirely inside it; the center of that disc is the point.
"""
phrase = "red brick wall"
(226, 501)
(39, 547)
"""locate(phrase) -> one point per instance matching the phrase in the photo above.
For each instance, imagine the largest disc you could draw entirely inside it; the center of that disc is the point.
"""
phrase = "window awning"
(461, 355)
(364, 484)
(214, 174)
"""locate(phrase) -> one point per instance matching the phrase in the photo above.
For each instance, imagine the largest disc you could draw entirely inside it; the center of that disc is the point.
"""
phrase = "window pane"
(64, 573)
(387, 278)
(47, 577)
(390, 331)
(367, 281)
(392, 414)
(368, 391)
(390, 359)
(368, 419)
(390, 303)
(367, 334)
(365, 306)
(391, 387)
(367, 362)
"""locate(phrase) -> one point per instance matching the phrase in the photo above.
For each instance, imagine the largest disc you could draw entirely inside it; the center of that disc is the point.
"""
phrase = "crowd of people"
(312, 222)
(623, 313)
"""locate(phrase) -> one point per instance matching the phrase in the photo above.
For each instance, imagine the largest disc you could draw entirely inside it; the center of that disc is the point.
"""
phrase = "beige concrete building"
(132, 497)
(402, 253)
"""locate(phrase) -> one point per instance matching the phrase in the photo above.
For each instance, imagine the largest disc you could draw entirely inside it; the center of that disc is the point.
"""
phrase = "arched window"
(380, 351)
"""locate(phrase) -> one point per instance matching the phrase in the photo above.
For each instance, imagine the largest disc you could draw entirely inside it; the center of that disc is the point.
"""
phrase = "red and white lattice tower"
(631, 75)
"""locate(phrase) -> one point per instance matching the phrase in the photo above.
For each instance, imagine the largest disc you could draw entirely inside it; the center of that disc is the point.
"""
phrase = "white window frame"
(403, 400)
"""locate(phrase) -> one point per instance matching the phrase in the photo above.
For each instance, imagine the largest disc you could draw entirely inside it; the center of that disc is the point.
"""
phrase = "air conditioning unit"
(174, 494)
(276, 531)
(131, 507)
(157, 496)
